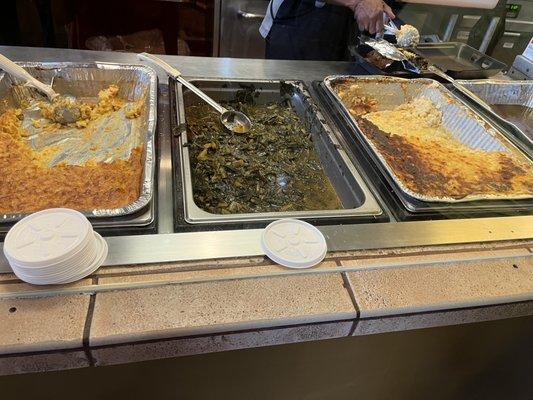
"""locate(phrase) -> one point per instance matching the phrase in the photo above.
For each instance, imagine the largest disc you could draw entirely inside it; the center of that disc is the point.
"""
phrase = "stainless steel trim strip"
(165, 209)
(174, 247)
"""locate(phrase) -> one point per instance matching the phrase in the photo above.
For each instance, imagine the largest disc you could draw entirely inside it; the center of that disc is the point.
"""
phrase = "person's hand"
(369, 15)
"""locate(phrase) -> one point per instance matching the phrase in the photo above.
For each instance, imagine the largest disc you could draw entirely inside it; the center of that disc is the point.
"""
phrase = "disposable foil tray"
(84, 81)
(466, 126)
(507, 93)
(460, 60)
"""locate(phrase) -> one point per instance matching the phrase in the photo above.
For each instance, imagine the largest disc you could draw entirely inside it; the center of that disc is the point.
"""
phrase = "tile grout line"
(349, 289)
(176, 268)
(87, 326)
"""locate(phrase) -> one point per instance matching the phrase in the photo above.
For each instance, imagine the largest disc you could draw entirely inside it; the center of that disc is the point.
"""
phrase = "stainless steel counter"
(168, 246)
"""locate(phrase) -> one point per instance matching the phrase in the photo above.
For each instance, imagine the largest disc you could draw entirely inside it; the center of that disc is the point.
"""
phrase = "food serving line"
(219, 241)
(174, 231)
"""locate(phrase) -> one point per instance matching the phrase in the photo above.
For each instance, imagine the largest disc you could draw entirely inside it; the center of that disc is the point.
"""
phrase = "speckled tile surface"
(201, 308)
(209, 344)
(388, 291)
(42, 324)
(28, 363)
(219, 305)
(396, 323)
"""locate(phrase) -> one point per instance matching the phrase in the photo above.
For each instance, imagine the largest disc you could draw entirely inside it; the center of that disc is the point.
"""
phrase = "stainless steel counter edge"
(173, 247)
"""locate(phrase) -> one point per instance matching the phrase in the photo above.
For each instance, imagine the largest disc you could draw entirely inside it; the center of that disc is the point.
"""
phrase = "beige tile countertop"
(133, 313)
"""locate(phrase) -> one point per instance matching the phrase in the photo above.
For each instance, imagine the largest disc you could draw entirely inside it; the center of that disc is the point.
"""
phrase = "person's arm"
(368, 13)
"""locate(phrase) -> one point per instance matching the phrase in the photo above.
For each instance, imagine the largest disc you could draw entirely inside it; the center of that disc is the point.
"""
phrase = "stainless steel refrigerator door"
(239, 28)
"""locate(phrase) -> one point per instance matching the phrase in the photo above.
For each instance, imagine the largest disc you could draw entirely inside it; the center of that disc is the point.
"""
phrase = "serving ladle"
(234, 121)
(64, 113)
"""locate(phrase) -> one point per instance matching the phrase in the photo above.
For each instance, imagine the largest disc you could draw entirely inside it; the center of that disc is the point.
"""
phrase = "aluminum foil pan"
(507, 93)
(466, 126)
(84, 81)
(384, 48)
(391, 52)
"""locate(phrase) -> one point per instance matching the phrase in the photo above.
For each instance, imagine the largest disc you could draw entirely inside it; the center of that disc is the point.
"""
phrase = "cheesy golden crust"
(430, 162)
(28, 184)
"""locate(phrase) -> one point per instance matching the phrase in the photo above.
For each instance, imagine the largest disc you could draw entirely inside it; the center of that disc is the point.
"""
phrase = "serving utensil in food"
(65, 111)
(458, 86)
(234, 121)
(390, 51)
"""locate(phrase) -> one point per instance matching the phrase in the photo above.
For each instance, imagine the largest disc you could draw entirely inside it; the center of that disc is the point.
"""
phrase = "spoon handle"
(18, 72)
(202, 95)
(174, 73)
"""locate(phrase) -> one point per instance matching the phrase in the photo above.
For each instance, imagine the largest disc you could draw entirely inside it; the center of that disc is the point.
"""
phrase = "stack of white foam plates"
(54, 246)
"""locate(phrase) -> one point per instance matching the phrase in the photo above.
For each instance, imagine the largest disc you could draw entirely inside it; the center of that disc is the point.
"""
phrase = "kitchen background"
(229, 28)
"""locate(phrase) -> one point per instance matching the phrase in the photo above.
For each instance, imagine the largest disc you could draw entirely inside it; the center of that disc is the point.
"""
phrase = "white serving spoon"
(63, 114)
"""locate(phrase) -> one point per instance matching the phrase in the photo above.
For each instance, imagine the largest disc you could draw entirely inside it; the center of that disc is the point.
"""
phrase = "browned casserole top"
(429, 161)
(27, 184)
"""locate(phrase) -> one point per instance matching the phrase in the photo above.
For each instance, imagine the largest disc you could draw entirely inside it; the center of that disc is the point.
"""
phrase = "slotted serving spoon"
(235, 121)
(63, 114)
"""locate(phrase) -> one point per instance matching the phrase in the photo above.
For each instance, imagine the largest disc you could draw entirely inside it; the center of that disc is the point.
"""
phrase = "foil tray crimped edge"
(502, 92)
(147, 183)
(329, 81)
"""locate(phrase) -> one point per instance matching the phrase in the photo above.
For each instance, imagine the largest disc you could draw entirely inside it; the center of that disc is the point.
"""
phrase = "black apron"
(302, 31)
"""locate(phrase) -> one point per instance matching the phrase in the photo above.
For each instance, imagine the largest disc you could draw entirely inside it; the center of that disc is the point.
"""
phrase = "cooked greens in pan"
(273, 167)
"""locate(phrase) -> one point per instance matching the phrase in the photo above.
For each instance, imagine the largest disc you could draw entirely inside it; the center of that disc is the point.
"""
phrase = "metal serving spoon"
(235, 121)
(64, 114)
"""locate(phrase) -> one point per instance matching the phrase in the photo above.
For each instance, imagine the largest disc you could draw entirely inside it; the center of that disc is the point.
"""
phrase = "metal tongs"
(391, 27)
(388, 27)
